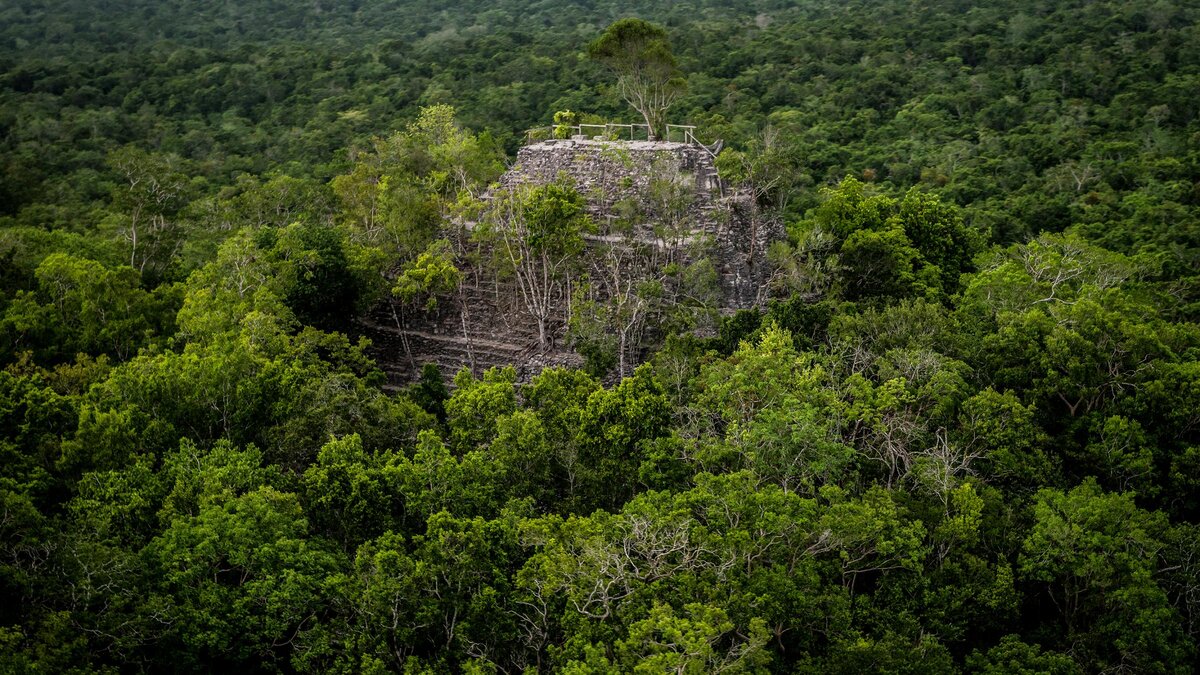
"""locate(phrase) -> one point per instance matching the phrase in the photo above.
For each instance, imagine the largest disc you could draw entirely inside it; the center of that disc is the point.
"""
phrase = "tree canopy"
(961, 434)
(648, 77)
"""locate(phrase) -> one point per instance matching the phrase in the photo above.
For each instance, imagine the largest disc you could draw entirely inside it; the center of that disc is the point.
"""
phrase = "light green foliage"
(755, 377)
(614, 427)
(661, 548)
(946, 243)
(534, 464)
(230, 386)
(447, 157)
(1005, 435)
(222, 296)
(1064, 323)
(1018, 658)
(1121, 455)
(476, 406)
(431, 274)
(395, 196)
(850, 207)
(910, 324)
(1088, 536)
(563, 121)
(303, 272)
(666, 642)
(81, 306)
(915, 247)
(554, 220)
(119, 505)
(443, 589)
(541, 445)
(351, 495)
(434, 480)
(799, 421)
(871, 535)
(239, 573)
(35, 419)
(195, 477)
(775, 413)
(961, 526)
(1096, 553)
(1050, 273)
(765, 167)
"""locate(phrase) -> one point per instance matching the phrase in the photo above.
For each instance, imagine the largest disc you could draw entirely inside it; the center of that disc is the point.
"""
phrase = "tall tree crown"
(647, 74)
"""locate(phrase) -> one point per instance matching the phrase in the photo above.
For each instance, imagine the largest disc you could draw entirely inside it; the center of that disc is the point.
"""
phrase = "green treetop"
(647, 74)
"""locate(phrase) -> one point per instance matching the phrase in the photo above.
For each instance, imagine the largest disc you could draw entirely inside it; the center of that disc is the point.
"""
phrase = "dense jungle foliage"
(963, 437)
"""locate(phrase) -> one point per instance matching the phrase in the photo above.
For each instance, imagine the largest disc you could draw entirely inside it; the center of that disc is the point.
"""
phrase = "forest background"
(962, 437)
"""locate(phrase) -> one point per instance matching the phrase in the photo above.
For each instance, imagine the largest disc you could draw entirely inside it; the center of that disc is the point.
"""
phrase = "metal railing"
(686, 133)
(600, 132)
(675, 133)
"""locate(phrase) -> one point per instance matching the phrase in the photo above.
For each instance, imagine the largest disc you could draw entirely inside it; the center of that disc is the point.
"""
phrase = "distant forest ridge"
(996, 104)
(114, 25)
(118, 25)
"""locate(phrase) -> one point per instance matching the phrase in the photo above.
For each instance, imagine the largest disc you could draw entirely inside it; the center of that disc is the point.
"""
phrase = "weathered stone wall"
(484, 326)
(614, 170)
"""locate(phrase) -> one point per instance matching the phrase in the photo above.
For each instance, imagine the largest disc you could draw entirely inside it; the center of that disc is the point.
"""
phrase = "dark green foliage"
(890, 249)
(430, 392)
(321, 288)
(648, 76)
(599, 351)
(736, 328)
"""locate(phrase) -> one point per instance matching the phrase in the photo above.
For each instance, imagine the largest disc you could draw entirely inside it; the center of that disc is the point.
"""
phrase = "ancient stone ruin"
(658, 208)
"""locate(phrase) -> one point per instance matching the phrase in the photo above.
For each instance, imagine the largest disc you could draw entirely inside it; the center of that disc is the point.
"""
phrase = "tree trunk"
(621, 354)
(402, 329)
(651, 132)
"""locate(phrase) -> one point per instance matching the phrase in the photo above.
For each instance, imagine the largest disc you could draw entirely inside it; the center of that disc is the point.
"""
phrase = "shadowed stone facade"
(483, 326)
